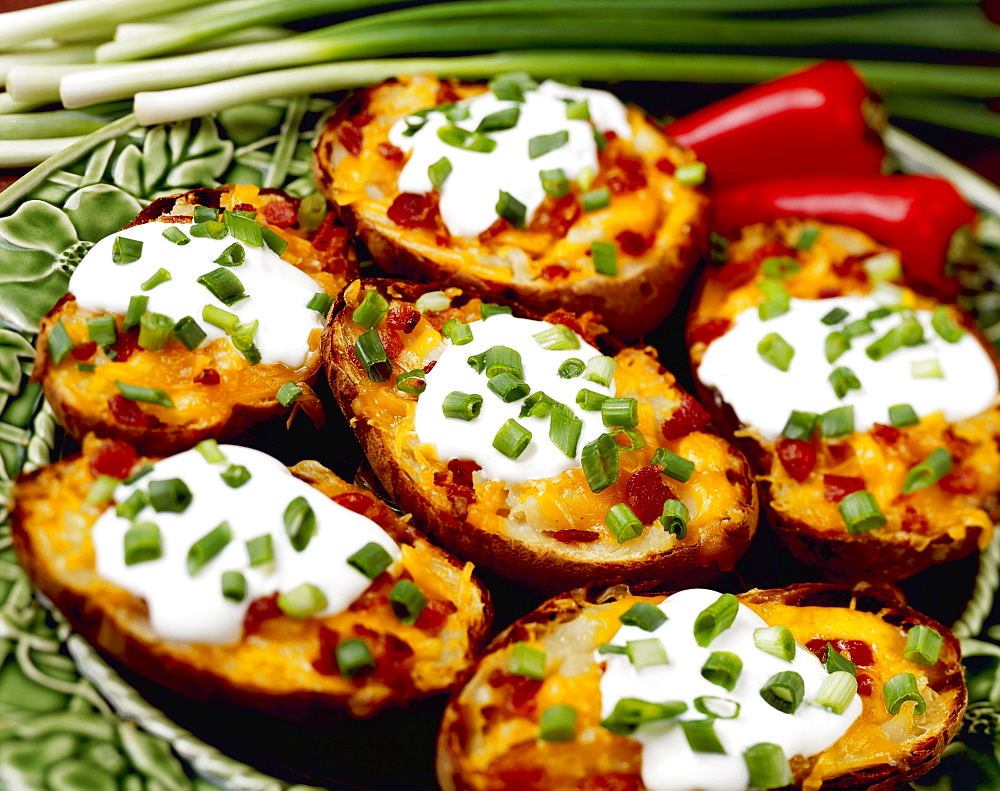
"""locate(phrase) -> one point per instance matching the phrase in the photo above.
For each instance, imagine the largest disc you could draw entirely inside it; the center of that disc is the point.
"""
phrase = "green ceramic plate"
(68, 719)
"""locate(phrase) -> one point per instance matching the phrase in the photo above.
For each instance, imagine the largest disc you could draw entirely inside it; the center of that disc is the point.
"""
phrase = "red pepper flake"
(281, 214)
(961, 480)
(797, 456)
(664, 165)
(434, 615)
(351, 138)
(260, 610)
(114, 458)
(402, 317)
(125, 345)
(626, 175)
(207, 376)
(410, 210)
(354, 501)
(886, 436)
(128, 413)
(687, 417)
(557, 216)
(329, 235)
(634, 244)
(571, 536)
(389, 152)
(708, 330)
(646, 492)
(84, 351)
(837, 487)
(554, 272)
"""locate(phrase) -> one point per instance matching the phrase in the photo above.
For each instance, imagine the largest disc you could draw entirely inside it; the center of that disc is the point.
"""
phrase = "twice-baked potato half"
(808, 686)
(227, 578)
(871, 410)
(551, 196)
(198, 320)
(520, 446)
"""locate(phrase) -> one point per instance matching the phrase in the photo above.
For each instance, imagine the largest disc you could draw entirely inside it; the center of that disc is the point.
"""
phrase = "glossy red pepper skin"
(914, 214)
(812, 121)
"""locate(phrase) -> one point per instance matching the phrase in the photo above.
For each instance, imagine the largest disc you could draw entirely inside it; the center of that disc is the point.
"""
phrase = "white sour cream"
(459, 439)
(668, 763)
(968, 387)
(469, 196)
(191, 608)
(278, 292)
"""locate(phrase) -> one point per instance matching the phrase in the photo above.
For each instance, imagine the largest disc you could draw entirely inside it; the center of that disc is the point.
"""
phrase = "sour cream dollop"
(278, 292)
(191, 607)
(469, 195)
(764, 396)
(668, 762)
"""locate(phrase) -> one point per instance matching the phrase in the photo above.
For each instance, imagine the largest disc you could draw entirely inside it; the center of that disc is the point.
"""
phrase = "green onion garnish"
(125, 251)
(154, 331)
(589, 400)
(564, 430)
(242, 339)
(260, 550)
(554, 182)
(677, 467)
(457, 137)
(571, 368)
(674, 518)
(464, 406)
(502, 119)
(188, 332)
(477, 362)
(372, 355)
(596, 199)
(636, 441)
(210, 229)
(884, 266)
(511, 209)
(767, 766)
(103, 330)
(542, 144)
(926, 369)
(512, 86)
(838, 422)
(646, 653)
(784, 691)
(512, 439)
(837, 662)
(234, 255)
(806, 240)
(457, 332)
(353, 658)
(486, 310)
(432, 302)
(439, 171)
(899, 689)
(412, 382)
(577, 110)
(407, 601)
(630, 713)
(86, 367)
(234, 586)
(102, 490)
(275, 243)
(509, 387)
(944, 326)
(142, 543)
(776, 641)
(371, 560)
(217, 317)
(149, 395)
(800, 425)
(885, 345)
(174, 234)
(538, 404)
(527, 661)
(779, 267)
(608, 648)
(142, 472)
(775, 350)
(929, 471)
(620, 412)
(599, 460)
(836, 692)
(132, 505)
(371, 310)
(715, 619)
(306, 600)
(843, 381)
(288, 393)
(903, 415)
(235, 476)
(300, 523)
(860, 512)
(557, 724)
(691, 174)
(320, 302)
(171, 495)
(776, 300)
(923, 645)
(835, 345)
(205, 214)
(723, 669)
(558, 337)
(243, 228)
(600, 369)
(224, 285)
(910, 332)
(720, 708)
(700, 735)
(646, 615)
(59, 342)
(206, 548)
(136, 307)
(857, 328)
(501, 359)
(835, 316)
(623, 523)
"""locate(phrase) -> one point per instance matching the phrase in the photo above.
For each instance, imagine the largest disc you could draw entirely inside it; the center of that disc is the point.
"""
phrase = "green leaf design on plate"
(99, 210)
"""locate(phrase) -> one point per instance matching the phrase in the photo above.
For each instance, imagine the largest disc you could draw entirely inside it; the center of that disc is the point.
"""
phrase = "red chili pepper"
(812, 121)
(916, 215)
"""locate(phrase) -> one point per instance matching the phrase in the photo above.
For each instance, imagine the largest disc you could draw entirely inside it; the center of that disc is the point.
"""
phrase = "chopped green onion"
(103, 330)
(910, 332)
(608, 648)
(775, 350)
(205, 214)
(600, 369)
(636, 441)
(102, 490)
(300, 523)
(835, 316)
(464, 406)
(509, 387)
(542, 144)
(884, 266)
(599, 460)
(835, 345)
(861, 513)
(353, 658)
(242, 338)
(800, 425)
(944, 326)
(691, 174)
(879, 313)
(487, 309)
(779, 267)
(136, 307)
(502, 359)
(174, 234)
(558, 337)
(596, 199)
(923, 645)
(234, 586)
(776, 300)
(142, 543)
(412, 382)
(571, 368)
(439, 171)
(142, 472)
(206, 548)
(457, 137)
(260, 550)
(843, 380)
(646, 615)
(312, 211)
(125, 251)
(149, 395)
(557, 724)
(527, 661)
(884, 346)
(243, 228)
(899, 689)
(210, 229)
(630, 713)
(538, 404)
(477, 362)
(501, 119)
(512, 439)
(511, 209)
(903, 415)
(806, 240)
(564, 430)
(926, 369)
(304, 601)
(235, 476)
(512, 86)
(857, 328)
(454, 113)
(589, 400)
(720, 708)
(457, 332)
(154, 331)
(937, 464)
(86, 367)
(767, 766)
(217, 317)
(59, 342)
(171, 495)
(674, 466)
(554, 182)
(224, 285)
(776, 641)
(320, 302)
(837, 662)
(700, 735)
(715, 619)
(836, 692)
(288, 393)
(432, 302)
(132, 505)
(577, 110)
(620, 412)
(646, 653)
(674, 518)
(275, 243)
(371, 560)
(723, 669)
(189, 332)
(623, 523)
(372, 355)
(838, 422)
(371, 310)
(407, 601)
(234, 255)
(784, 691)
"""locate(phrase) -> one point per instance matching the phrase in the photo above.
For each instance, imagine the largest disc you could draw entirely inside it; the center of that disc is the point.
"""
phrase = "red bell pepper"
(812, 121)
(914, 214)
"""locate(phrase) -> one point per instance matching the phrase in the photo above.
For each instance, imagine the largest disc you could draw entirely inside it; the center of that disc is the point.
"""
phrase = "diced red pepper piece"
(646, 492)
(687, 417)
(797, 456)
(114, 458)
(837, 487)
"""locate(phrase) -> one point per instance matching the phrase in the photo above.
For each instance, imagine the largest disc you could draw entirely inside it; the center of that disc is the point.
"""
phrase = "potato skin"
(924, 535)
(272, 671)
(632, 303)
(169, 431)
(544, 566)
(923, 749)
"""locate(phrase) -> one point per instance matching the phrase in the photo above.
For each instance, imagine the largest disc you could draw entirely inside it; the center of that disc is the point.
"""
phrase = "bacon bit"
(128, 413)
(434, 615)
(557, 216)
(461, 471)
(664, 165)
(84, 351)
(734, 274)
(446, 93)
(402, 317)
(519, 779)
(797, 456)
(245, 207)
(615, 782)
(125, 345)
(326, 663)
(351, 138)
(260, 610)
(886, 436)
(352, 355)
(575, 536)
(554, 272)
(708, 330)
(829, 293)
(634, 244)
(390, 655)
(442, 240)
(390, 340)
(410, 210)
(626, 175)
(913, 520)
(354, 501)
(114, 458)
(520, 692)
(687, 417)
(961, 480)
(837, 487)
(646, 493)
(498, 227)
(207, 376)
(390, 152)
(852, 266)
(430, 366)
(362, 118)
(610, 135)
(858, 651)
(329, 235)
(959, 447)
(864, 684)
(281, 213)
